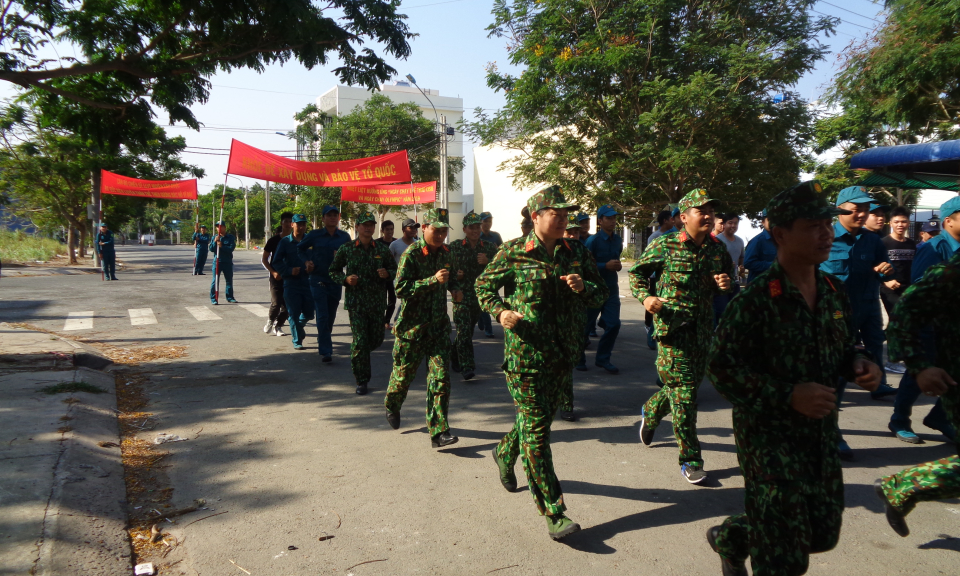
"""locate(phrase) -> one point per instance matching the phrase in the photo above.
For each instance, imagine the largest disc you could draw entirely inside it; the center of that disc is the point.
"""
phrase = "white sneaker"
(268, 327)
(278, 332)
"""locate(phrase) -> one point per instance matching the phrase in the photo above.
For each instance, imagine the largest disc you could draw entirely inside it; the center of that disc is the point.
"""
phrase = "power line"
(433, 4)
(851, 11)
(841, 20)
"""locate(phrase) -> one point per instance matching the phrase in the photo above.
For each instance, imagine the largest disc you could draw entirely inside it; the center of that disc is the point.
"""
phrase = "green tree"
(637, 102)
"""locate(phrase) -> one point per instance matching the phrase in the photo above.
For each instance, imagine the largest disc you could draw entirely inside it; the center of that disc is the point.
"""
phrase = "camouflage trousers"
(465, 316)
(681, 369)
(536, 397)
(785, 521)
(407, 355)
(938, 480)
(566, 392)
(367, 329)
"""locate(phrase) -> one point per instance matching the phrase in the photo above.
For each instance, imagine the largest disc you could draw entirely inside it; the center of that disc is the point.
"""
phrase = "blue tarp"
(932, 157)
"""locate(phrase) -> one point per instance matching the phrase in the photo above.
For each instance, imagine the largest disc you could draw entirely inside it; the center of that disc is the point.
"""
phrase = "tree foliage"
(639, 101)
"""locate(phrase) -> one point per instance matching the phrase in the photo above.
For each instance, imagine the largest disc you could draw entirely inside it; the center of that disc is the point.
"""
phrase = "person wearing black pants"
(277, 314)
(386, 238)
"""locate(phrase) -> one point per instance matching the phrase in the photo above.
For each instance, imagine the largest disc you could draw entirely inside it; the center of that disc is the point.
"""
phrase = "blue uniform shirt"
(759, 255)
(605, 248)
(492, 237)
(107, 239)
(286, 258)
(318, 246)
(852, 259)
(202, 240)
(935, 250)
(228, 242)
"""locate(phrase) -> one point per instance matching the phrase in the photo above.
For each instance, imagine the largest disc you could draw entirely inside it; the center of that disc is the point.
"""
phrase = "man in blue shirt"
(859, 258)
(316, 250)
(487, 235)
(606, 247)
(108, 255)
(938, 249)
(222, 246)
(761, 251)
(201, 242)
(296, 286)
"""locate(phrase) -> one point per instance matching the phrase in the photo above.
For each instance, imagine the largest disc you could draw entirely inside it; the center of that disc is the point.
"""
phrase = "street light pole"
(444, 197)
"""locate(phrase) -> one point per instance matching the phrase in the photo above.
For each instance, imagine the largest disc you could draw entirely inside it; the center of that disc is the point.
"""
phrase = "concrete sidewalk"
(62, 495)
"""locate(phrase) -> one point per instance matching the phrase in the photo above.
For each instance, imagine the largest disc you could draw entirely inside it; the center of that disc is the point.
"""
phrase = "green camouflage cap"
(551, 197)
(472, 218)
(437, 217)
(365, 216)
(803, 200)
(695, 199)
(573, 221)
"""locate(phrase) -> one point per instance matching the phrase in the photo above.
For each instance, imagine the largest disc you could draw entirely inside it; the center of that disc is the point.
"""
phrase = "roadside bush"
(21, 247)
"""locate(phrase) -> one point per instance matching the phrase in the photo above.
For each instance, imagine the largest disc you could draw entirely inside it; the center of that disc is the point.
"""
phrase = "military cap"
(573, 221)
(299, 218)
(221, 223)
(855, 194)
(437, 217)
(473, 218)
(329, 208)
(485, 215)
(607, 210)
(930, 227)
(203, 226)
(874, 206)
(949, 207)
(550, 197)
(582, 216)
(695, 199)
(103, 224)
(804, 200)
(365, 216)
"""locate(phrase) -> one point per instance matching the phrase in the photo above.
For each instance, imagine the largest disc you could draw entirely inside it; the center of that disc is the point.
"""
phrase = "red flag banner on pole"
(116, 184)
(392, 195)
(245, 160)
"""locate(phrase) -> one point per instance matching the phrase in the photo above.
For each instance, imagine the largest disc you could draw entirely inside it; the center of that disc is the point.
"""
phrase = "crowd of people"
(779, 325)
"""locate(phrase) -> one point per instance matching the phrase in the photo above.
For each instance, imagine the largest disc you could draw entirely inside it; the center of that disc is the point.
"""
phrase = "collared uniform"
(108, 254)
(201, 249)
(605, 247)
(759, 254)
(296, 288)
(423, 330)
(683, 327)
(540, 351)
(367, 301)
(319, 246)
(223, 264)
(484, 322)
(768, 341)
(466, 313)
(932, 299)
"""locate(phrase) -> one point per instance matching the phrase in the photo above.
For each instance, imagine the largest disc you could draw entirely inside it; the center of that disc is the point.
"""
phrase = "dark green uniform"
(423, 330)
(467, 312)
(365, 302)
(541, 350)
(683, 327)
(933, 300)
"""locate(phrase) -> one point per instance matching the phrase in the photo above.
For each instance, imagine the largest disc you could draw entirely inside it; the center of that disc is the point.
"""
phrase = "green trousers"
(566, 393)
(681, 365)
(785, 521)
(407, 355)
(367, 329)
(536, 397)
(465, 316)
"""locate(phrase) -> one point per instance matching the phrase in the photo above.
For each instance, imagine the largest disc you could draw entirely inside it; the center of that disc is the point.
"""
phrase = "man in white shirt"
(735, 246)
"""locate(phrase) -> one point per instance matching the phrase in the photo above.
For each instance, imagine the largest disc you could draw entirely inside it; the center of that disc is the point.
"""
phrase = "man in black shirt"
(386, 238)
(278, 309)
(901, 251)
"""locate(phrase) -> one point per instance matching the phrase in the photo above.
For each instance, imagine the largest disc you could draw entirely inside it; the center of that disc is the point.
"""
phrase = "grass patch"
(20, 247)
(67, 387)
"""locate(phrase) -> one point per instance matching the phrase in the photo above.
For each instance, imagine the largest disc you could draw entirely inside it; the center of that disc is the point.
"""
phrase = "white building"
(341, 100)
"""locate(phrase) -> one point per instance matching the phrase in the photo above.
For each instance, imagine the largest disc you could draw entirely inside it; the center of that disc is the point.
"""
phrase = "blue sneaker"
(693, 473)
(904, 434)
(298, 346)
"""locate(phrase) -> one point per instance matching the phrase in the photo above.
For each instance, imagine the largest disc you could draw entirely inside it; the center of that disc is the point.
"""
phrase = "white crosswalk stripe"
(256, 309)
(202, 313)
(142, 316)
(79, 321)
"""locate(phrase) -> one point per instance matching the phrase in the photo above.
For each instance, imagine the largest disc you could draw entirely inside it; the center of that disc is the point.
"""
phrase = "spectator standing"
(877, 218)
(735, 247)
(201, 247)
(606, 246)
(386, 239)
(277, 314)
(488, 235)
(929, 231)
(583, 220)
(901, 251)
(409, 230)
(761, 251)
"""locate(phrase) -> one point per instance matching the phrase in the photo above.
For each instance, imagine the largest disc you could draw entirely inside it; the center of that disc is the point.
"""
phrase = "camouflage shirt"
(424, 312)
(685, 278)
(932, 300)
(549, 335)
(465, 258)
(370, 293)
(769, 340)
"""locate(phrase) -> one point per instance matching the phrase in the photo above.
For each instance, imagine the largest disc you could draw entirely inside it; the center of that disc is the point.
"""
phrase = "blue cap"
(582, 216)
(675, 213)
(764, 213)
(299, 218)
(329, 208)
(221, 223)
(949, 207)
(485, 215)
(931, 227)
(855, 194)
(875, 206)
(606, 210)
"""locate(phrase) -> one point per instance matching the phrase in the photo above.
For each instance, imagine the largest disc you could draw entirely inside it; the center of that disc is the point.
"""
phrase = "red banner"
(245, 160)
(394, 195)
(111, 183)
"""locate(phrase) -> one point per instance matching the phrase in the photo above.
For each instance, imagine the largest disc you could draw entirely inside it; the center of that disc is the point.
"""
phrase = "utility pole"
(266, 213)
(444, 193)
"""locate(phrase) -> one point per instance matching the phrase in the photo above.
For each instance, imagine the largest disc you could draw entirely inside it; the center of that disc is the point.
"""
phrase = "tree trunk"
(71, 244)
(82, 251)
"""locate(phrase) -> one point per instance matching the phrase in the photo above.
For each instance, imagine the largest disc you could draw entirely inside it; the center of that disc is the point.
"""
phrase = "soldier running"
(423, 329)
(556, 281)
(470, 257)
(370, 269)
(779, 351)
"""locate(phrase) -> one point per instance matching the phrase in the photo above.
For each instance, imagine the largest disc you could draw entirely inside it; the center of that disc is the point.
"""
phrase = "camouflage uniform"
(540, 351)
(566, 392)
(367, 301)
(769, 340)
(684, 326)
(931, 300)
(467, 311)
(423, 328)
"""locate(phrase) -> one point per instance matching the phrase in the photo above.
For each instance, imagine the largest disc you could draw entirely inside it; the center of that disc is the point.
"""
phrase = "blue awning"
(930, 158)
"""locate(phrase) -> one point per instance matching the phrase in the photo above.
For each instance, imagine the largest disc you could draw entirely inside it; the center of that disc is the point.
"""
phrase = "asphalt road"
(289, 451)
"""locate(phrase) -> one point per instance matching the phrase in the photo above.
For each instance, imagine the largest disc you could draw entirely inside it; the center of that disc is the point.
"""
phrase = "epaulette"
(775, 288)
(530, 245)
(357, 243)
(682, 236)
(714, 238)
(426, 251)
(829, 283)
(565, 244)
